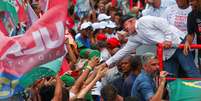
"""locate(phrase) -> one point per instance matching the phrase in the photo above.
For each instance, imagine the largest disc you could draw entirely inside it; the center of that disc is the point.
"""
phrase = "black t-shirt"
(194, 25)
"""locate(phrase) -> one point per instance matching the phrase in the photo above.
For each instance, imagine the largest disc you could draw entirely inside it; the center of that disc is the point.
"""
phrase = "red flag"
(53, 3)
(114, 3)
(3, 29)
(21, 13)
(131, 4)
(64, 67)
(70, 22)
(41, 43)
(74, 2)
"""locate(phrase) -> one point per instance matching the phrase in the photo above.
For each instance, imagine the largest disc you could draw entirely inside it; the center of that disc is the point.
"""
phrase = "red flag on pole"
(41, 43)
(3, 29)
(74, 2)
(53, 3)
(64, 67)
(114, 3)
(131, 4)
(21, 13)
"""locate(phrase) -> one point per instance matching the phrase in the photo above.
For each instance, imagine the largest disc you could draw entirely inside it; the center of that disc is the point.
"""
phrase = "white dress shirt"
(150, 31)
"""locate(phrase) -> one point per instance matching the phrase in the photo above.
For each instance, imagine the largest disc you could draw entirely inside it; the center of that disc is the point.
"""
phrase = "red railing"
(160, 57)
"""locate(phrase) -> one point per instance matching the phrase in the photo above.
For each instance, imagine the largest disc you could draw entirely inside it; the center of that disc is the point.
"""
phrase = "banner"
(41, 43)
(183, 90)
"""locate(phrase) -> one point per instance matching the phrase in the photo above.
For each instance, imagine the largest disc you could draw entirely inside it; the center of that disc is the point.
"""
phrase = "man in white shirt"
(151, 30)
(156, 7)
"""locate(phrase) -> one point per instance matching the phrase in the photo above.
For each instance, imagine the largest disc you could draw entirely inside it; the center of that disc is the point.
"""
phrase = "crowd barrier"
(160, 57)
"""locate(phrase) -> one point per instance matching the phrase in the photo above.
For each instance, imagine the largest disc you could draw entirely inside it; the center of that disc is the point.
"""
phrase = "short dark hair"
(126, 17)
(47, 92)
(135, 62)
(109, 92)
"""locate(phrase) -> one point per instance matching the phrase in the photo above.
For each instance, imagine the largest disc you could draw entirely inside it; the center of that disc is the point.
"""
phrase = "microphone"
(169, 74)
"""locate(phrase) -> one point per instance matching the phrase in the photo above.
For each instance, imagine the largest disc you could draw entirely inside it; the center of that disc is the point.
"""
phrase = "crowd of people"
(102, 37)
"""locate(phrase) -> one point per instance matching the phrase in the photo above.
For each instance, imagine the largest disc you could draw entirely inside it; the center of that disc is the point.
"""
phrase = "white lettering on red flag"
(42, 42)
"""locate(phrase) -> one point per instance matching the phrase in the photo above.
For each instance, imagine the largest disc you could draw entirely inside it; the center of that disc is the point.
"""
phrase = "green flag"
(5, 6)
(45, 70)
(184, 90)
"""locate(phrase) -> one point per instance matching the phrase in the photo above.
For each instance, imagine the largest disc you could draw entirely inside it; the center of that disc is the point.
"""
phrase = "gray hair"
(147, 56)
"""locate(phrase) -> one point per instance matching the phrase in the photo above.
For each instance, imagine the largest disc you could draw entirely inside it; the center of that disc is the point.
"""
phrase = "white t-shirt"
(104, 54)
(177, 17)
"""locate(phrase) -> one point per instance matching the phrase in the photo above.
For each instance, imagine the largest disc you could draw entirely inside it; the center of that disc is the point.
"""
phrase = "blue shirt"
(82, 42)
(144, 87)
(124, 85)
(127, 85)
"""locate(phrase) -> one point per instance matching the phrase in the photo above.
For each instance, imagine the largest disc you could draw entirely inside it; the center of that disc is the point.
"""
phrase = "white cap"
(103, 16)
(111, 24)
(97, 25)
(103, 23)
(85, 25)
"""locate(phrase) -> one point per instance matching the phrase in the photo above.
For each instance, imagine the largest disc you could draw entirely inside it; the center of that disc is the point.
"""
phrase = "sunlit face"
(129, 26)
(117, 19)
(152, 66)
(102, 7)
(124, 65)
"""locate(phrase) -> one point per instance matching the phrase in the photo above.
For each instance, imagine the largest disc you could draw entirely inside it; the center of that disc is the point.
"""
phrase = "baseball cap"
(85, 25)
(89, 53)
(103, 16)
(98, 25)
(68, 80)
(101, 37)
(126, 17)
(111, 24)
(113, 42)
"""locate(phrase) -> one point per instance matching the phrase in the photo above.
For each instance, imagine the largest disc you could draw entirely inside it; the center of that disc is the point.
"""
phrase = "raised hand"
(93, 62)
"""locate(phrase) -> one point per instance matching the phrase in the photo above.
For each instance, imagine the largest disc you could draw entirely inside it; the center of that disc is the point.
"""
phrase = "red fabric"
(101, 37)
(53, 3)
(113, 42)
(3, 29)
(114, 3)
(131, 4)
(29, 47)
(70, 22)
(64, 67)
(74, 2)
(21, 13)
